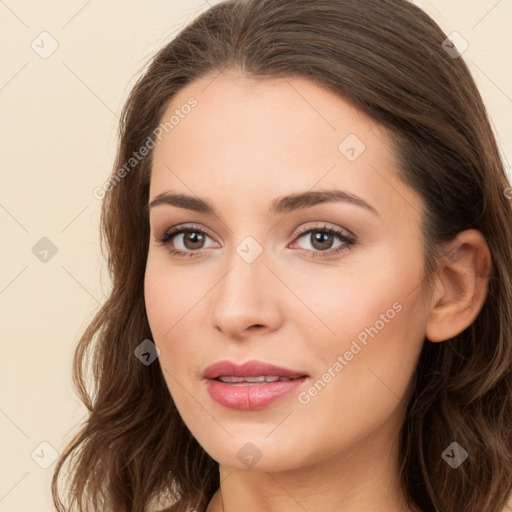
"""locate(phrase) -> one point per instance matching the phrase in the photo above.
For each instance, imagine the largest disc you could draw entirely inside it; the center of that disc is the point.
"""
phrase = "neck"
(361, 479)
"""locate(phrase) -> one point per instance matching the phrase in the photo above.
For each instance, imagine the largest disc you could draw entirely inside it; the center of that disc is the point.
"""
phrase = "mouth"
(252, 385)
(254, 381)
(250, 372)
(252, 393)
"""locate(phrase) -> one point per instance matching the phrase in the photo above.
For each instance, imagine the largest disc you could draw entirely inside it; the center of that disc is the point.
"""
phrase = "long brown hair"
(387, 58)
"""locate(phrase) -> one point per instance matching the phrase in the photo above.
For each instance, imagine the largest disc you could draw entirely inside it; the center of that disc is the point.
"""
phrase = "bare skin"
(245, 144)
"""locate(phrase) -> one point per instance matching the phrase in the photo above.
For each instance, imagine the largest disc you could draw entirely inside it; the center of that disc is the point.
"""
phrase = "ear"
(461, 286)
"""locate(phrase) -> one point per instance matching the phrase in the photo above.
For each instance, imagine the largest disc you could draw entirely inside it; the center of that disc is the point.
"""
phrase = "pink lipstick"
(252, 385)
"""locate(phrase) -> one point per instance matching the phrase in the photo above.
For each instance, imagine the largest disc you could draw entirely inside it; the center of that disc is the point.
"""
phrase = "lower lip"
(250, 397)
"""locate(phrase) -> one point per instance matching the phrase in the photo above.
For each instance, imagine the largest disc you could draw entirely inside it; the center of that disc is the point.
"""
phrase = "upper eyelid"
(326, 225)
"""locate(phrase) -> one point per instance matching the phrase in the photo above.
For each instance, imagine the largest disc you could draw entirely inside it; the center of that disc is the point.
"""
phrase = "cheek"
(156, 295)
(164, 309)
(378, 325)
(339, 305)
(376, 307)
(174, 310)
(169, 295)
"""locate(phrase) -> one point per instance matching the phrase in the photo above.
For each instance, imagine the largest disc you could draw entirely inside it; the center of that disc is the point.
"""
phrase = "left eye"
(322, 236)
(323, 239)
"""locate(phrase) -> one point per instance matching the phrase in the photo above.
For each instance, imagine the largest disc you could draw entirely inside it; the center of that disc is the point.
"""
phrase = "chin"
(256, 453)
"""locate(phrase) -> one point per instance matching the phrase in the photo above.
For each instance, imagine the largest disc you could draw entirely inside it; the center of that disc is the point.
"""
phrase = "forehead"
(265, 138)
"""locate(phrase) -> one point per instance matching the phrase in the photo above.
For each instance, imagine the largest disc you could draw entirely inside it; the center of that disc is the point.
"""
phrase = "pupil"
(320, 237)
(194, 238)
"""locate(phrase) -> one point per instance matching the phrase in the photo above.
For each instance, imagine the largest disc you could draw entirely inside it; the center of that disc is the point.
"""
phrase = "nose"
(246, 299)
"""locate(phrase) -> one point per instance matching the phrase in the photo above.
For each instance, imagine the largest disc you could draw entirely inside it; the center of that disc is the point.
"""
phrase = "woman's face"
(256, 282)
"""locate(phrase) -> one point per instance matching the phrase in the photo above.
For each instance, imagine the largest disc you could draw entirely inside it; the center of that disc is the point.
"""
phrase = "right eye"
(192, 236)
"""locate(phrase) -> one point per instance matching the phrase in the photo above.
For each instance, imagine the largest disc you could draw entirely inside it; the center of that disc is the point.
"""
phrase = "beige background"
(58, 132)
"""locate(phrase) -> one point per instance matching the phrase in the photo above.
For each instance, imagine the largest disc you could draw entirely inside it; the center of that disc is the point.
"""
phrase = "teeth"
(261, 378)
(231, 379)
(254, 379)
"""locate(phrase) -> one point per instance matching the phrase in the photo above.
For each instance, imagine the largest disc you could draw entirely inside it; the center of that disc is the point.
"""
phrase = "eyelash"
(349, 241)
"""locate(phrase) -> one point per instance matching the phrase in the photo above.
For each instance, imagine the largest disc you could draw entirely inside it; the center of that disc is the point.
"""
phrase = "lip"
(251, 396)
(252, 368)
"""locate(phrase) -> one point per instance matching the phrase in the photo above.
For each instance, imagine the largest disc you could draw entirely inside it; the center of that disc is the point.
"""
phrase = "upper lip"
(249, 369)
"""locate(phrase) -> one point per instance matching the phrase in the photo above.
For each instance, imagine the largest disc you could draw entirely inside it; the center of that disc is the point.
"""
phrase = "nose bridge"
(245, 295)
(247, 264)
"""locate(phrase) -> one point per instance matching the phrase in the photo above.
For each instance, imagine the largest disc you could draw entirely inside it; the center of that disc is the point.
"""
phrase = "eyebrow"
(284, 204)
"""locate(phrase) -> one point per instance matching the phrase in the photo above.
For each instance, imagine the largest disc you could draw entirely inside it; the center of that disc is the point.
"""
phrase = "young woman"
(309, 233)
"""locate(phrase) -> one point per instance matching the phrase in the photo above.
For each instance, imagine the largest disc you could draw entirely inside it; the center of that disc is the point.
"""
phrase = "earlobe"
(461, 287)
